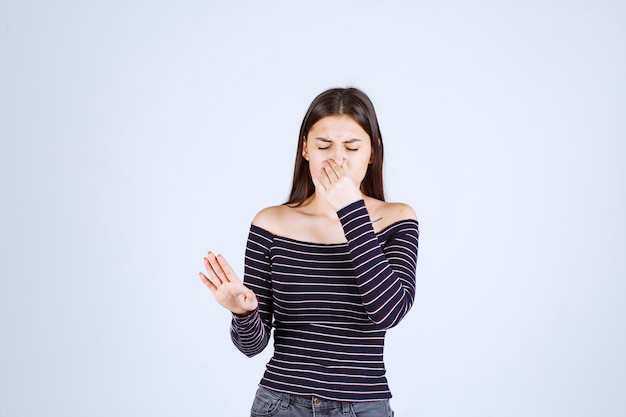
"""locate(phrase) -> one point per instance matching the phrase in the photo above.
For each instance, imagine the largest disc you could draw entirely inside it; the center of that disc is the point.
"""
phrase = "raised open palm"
(228, 290)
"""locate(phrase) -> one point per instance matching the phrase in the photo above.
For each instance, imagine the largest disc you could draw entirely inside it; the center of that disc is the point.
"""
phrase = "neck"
(316, 205)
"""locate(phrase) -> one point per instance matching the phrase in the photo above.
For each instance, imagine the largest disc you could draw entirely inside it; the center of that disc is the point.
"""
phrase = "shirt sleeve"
(385, 277)
(251, 333)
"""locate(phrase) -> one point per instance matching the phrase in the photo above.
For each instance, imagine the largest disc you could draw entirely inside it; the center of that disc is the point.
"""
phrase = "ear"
(305, 152)
(372, 155)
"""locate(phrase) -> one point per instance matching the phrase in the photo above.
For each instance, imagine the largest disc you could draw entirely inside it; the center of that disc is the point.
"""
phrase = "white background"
(137, 135)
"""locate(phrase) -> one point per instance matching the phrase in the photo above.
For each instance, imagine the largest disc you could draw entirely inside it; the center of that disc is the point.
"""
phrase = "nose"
(339, 157)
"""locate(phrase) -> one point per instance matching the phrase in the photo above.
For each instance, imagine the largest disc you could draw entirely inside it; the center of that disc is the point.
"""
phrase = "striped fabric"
(329, 305)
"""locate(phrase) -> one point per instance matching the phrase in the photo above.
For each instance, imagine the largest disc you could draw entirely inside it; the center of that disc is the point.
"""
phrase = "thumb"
(318, 184)
(248, 300)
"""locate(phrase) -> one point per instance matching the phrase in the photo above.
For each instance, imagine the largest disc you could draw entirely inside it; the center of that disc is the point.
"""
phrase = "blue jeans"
(275, 404)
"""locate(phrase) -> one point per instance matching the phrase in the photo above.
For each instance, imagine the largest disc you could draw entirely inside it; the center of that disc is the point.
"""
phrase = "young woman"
(329, 271)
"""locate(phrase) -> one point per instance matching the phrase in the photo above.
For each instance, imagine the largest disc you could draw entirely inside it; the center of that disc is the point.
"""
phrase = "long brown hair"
(340, 101)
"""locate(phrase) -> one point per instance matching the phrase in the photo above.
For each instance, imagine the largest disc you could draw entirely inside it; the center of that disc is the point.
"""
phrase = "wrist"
(243, 314)
(353, 203)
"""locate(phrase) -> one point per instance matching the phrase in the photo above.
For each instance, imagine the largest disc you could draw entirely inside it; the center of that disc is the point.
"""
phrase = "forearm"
(249, 334)
(387, 288)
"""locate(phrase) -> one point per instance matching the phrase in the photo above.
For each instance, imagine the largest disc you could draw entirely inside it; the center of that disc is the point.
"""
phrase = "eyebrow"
(345, 141)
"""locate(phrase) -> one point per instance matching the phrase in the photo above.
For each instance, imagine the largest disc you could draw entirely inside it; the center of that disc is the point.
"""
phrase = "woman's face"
(341, 139)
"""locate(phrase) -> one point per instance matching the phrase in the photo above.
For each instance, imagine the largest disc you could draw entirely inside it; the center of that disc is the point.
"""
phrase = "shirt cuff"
(247, 317)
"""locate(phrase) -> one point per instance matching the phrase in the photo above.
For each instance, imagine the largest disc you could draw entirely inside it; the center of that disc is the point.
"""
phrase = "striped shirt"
(329, 305)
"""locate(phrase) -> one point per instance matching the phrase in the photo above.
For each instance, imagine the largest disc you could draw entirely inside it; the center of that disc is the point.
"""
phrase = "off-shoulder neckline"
(304, 242)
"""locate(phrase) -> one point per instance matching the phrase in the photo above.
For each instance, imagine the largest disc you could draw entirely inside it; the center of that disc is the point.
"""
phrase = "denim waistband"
(310, 401)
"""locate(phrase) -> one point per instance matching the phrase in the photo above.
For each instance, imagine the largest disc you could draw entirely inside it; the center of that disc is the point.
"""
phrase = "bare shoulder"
(271, 218)
(384, 214)
(399, 211)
